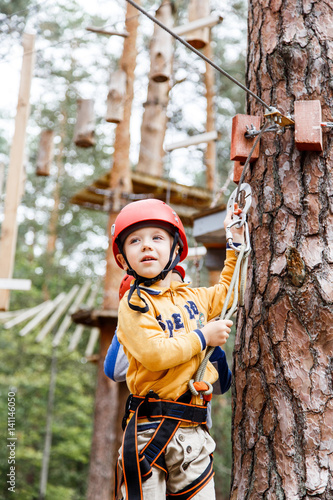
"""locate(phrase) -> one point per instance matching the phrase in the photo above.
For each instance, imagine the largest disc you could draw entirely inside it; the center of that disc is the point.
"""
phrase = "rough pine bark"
(283, 394)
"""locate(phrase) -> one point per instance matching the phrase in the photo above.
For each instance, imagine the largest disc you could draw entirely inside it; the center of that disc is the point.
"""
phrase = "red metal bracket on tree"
(308, 125)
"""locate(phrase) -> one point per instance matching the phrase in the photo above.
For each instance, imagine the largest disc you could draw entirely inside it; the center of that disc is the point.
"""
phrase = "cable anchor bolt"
(277, 117)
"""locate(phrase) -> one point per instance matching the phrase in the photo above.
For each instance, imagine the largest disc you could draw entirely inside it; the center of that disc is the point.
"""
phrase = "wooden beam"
(15, 172)
(24, 315)
(68, 318)
(14, 284)
(205, 22)
(94, 334)
(191, 141)
(101, 31)
(62, 307)
(75, 339)
(49, 306)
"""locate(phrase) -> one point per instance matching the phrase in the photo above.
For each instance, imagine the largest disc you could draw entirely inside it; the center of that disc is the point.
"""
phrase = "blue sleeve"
(223, 369)
(116, 362)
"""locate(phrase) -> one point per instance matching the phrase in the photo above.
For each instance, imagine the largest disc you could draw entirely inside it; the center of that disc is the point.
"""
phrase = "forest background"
(71, 63)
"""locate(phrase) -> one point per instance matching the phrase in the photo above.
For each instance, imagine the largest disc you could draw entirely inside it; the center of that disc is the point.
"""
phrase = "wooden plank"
(161, 47)
(198, 9)
(28, 313)
(14, 284)
(5, 315)
(205, 22)
(84, 130)
(68, 319)
(15, 172)
(116, 97)
(44, 313)
(94, 334)
(75, 339)
(45, 152)
(62, 307)
(191, 141)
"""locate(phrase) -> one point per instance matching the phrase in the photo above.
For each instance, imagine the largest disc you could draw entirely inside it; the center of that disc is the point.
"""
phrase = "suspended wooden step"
(45, 153)
(101, 31)
(85, 124)
(153, 126)
(191, 141)
(116, 97)
(161, 49)
(198, 9)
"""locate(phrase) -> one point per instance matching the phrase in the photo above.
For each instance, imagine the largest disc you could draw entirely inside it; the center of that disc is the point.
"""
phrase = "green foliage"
(26, 371)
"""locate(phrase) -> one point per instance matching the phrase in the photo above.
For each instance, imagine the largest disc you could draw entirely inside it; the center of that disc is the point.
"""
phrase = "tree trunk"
(100, 483)
(282, 393)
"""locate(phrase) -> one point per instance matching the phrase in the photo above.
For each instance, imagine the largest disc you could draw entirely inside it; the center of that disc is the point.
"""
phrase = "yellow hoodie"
(165, 345)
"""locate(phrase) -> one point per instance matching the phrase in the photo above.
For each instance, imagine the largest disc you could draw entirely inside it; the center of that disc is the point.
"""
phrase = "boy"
(165, 327)
(116, 362)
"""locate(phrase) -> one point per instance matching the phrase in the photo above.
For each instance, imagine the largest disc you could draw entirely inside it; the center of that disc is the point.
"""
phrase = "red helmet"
(125, 285)
(139, 213)
(180, 270)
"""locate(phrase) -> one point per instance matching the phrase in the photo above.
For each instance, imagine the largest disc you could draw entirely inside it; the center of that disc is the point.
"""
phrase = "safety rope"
(237, 281)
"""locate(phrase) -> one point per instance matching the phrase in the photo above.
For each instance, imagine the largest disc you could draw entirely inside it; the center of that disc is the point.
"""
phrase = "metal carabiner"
(240, 219)
(245, 202)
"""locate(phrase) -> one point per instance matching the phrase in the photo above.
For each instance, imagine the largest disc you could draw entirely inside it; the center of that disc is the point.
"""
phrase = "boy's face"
(147, 250)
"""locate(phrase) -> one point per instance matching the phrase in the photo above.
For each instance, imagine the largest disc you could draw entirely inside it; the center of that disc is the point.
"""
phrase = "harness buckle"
(127, 411)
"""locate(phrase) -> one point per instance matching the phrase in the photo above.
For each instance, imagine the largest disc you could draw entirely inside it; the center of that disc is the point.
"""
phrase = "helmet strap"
(148, 282)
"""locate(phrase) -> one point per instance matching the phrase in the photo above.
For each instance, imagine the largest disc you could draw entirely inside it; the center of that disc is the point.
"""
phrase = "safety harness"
(137, 465)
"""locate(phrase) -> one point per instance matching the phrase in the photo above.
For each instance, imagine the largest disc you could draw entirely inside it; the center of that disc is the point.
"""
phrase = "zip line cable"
(184, 42)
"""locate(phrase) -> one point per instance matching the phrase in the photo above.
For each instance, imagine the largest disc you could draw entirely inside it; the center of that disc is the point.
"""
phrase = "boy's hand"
(217, 332)
(237, 232)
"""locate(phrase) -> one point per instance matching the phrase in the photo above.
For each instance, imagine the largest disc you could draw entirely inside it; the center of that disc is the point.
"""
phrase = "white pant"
(186, 457)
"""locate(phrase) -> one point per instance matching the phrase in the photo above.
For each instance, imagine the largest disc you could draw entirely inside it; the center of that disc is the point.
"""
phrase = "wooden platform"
(186, 200)
(94, 317)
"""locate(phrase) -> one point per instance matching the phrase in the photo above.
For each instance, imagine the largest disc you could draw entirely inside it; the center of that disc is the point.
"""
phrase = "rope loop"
(238, 279)
(202, 386)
